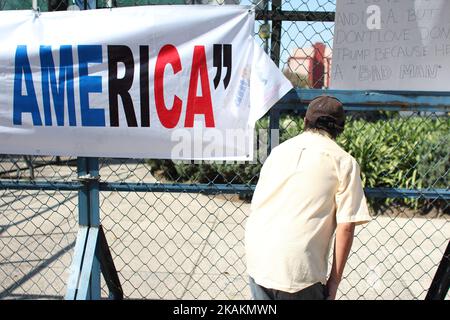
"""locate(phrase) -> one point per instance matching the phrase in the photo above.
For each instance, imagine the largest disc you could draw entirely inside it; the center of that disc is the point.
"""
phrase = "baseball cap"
(326, 112)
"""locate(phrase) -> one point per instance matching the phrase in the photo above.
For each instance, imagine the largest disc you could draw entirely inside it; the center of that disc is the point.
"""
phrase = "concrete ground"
(189, 246)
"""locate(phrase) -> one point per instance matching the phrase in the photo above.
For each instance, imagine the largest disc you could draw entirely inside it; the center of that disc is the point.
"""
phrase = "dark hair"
(326, 124)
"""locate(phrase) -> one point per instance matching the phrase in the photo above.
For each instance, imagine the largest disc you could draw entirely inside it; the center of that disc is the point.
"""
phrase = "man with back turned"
(309, 189)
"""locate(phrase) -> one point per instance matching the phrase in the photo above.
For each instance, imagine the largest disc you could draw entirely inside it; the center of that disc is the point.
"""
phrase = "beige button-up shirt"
(307, 185)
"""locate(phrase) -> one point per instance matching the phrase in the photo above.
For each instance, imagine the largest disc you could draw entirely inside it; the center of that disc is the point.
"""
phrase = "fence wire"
(189, 245)
(37, 228)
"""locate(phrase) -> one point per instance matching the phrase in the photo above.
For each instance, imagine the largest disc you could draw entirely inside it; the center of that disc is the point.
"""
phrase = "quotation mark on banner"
(219, 51)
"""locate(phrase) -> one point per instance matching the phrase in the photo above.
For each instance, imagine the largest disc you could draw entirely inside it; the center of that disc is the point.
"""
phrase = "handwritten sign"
(392, 45)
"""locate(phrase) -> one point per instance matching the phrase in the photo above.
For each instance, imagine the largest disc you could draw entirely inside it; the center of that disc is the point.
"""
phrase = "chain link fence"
(184, 238)
(37, 228)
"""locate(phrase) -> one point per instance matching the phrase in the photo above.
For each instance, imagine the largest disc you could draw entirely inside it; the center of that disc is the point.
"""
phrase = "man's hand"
(332, 287)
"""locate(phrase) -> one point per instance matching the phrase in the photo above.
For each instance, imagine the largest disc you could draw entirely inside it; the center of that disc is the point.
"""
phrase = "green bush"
(398, 152)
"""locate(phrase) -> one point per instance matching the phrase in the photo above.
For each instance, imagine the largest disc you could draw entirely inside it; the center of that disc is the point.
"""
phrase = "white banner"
(169, 82)
(392, 45)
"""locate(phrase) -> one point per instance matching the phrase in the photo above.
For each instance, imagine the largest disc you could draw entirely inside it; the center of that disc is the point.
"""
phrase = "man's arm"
(342, 246)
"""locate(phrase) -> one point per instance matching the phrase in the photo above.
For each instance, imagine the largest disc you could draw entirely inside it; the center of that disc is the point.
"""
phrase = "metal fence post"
(84, 281)
(83, 194)
(94, 221)
(441, 281)
(274, 114)
(91, 255)
(276, 32)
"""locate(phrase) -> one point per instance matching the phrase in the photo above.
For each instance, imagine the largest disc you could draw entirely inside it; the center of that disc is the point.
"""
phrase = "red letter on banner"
(167, 55)
(199, 104)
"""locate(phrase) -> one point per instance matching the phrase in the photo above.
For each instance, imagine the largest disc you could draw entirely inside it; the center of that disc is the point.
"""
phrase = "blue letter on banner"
(27, 103)
(90, 54)
(49, 79)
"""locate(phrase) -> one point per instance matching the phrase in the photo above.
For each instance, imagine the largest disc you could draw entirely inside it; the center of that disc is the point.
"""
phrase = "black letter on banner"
(227, 62)
(217, 63)
(145, 104)
(121, 86)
